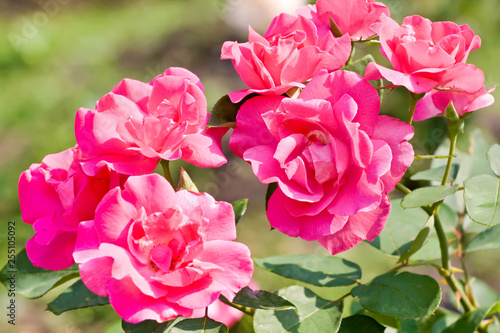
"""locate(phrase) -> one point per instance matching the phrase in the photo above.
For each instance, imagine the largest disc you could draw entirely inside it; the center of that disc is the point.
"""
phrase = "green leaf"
(400, 294)
(314, 314)
(469, 322)
(239, 207)
(225, 111)
(403, 226)
(197, 325)
(436, 174)
(270, 190)
(259, 299)
(420, 240)
(494, 159)
(425, 196)
(185, 182)
(486, 240)
(319, 271)
(245, 324)
(150, 326)
(77, 296)
(359, 67)
(360, 323)
(482, 199)
(31, 281)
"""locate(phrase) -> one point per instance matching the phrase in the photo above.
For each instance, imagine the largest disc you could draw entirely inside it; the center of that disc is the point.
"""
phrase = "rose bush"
(331, 154)
(159, 254)
(291, 52)
(137, 124)
(55, 197)
(426, 55)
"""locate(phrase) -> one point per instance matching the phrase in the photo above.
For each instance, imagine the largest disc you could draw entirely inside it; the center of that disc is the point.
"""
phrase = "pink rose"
(427, 55)
(137, 124)
(331, 154)
(434, 104)
(159, 254)
(291, 52)
(353, 17)
(55, 196)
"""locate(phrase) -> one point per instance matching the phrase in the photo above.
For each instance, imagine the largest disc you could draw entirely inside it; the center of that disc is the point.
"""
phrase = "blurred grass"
(87, 47)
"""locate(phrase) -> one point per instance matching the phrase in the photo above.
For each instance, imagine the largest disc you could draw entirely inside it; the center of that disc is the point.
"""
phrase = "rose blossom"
(435, 103)
(137, 124)
(427, 55)
(331, 154)
(353, 17)
(55, 196)
(291, 52)
(159, 254)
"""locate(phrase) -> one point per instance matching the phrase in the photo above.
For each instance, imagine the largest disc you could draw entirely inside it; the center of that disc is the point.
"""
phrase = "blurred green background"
(59, 55)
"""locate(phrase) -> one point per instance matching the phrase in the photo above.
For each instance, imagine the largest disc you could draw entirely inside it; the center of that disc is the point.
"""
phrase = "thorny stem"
(461, 255)
(446, 272)
(445, 269)
(166, 171)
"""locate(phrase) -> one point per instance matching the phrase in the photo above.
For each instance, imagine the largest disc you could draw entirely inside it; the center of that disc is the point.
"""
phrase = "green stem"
(413, 104)
(443, 243)
(453, 143)
(166, 171)
(403, 189)
(351, 55)
(461, 254)
(244, 309)
(446, 272)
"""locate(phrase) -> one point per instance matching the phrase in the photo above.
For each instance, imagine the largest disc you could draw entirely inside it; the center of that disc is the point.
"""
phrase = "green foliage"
(486, 240)
(318, 271)
(225, 111)
(400, 294)
(185, 182)
(359, 67)
(239, 207)
(31, 281)
(425, 196)
(179, 325)
(360, 323)
(420, 240)
(403, 227)
(494, 159)
(270, 190)
(313, 314)
(469, 322)
(77, 296)
(151, 326)
(482, 199)
(259, 299)
(197, 325)
(436, 174)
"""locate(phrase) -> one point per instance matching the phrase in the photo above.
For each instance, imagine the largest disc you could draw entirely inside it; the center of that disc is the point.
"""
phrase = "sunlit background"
(59, 55)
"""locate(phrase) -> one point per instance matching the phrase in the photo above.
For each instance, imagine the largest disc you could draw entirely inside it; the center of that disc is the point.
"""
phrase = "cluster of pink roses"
(333, 157)
(156, 253)
(307, 125)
